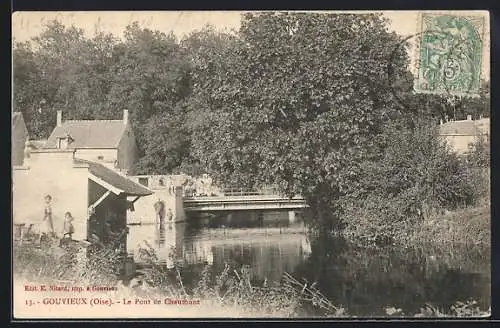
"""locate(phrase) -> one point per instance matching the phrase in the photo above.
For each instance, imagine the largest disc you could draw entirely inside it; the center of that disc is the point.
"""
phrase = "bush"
(416, 176)
(478, 164)
(70, 263)
(480, 154)
(469, 227)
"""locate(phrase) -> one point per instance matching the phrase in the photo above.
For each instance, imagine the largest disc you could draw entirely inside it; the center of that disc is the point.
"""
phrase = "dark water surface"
(364, 281)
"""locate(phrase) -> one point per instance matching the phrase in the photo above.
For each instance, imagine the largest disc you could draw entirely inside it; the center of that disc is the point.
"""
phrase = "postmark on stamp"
(449, 54)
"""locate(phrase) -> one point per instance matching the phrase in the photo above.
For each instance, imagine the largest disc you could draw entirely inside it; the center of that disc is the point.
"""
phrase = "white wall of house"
(109, 156)
(51, 173)
(460, 144)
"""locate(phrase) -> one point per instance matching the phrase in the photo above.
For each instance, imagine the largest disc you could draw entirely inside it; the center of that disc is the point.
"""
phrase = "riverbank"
(145, 302)
(451, 246)
(468, 227)
(230, 292)
(233, 294)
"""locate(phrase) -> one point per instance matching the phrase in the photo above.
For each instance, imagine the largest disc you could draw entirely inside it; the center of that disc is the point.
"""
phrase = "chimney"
(27, 152)
(469, 117)
(125, 116)
(59, 118)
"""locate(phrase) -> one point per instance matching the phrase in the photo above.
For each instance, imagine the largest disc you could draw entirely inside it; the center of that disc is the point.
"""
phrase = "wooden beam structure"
(106, 185)
(94, 205)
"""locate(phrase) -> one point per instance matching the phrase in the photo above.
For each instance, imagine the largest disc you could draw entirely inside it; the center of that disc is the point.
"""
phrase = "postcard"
(253, 164)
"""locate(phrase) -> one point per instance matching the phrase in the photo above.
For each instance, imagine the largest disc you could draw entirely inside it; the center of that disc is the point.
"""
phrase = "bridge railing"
(249, 192)
(235, 191)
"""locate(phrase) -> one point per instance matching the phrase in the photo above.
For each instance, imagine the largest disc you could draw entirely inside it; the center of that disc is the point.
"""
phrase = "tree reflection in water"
(366, 281)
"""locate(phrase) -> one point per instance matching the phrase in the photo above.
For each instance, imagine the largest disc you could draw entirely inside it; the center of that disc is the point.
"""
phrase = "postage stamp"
(449, 53)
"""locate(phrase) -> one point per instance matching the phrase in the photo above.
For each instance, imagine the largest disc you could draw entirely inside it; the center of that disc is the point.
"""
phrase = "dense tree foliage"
(302, 103)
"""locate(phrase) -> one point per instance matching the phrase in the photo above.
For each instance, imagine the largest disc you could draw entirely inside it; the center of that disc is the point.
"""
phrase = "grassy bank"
(465, 227)
(470, 227)
(232, 294)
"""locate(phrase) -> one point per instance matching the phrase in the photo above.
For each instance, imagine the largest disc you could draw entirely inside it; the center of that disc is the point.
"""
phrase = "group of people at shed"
(46, 227)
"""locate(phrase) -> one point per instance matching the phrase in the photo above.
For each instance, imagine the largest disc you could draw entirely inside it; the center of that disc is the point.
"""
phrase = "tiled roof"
(128, 186)
(460, 128)
(37, 144)
(89, 134)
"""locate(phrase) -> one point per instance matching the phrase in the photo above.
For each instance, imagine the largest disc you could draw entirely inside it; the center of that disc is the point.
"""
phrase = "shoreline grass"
(470, 227)
(232, 294)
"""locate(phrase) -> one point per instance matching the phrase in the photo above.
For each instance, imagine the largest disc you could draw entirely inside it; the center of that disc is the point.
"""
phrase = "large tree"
(61, 69)
(300, 101)
(151, 80)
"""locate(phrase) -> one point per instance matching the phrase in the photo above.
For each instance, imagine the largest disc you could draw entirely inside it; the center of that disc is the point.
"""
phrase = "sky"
(29, 24)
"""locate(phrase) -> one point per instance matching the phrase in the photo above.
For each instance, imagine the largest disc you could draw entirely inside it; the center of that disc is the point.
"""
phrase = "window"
(100, 157)
(62, 143)
(143, 181)
(161, 182)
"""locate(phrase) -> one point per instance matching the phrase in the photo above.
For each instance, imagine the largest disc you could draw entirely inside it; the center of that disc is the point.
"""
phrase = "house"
(109, 142)
(19, 138)
(95, 194)
(461, 135)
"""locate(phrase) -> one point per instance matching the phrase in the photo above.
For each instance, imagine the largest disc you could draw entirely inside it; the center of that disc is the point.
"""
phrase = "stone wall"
(144, 211)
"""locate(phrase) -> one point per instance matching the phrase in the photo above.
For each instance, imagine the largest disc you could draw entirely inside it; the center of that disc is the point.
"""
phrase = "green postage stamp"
(449, 53)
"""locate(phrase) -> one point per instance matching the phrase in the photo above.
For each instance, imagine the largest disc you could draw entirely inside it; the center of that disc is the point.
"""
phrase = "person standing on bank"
(160, 212)
(46, 226)
(170, 215)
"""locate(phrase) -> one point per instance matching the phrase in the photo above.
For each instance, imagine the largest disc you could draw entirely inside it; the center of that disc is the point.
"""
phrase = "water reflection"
(365, 281)
(267, 242)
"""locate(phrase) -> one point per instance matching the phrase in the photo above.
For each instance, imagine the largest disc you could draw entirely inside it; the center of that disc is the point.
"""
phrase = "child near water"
(170, 214)
(68, 229)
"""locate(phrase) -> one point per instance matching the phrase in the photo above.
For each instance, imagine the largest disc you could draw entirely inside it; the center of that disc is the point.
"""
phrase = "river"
(364, 281)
